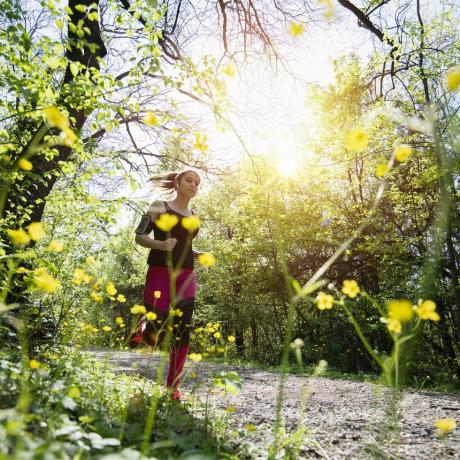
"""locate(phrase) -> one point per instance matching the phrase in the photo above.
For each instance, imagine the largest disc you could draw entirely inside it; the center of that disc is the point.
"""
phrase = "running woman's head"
(184, 183)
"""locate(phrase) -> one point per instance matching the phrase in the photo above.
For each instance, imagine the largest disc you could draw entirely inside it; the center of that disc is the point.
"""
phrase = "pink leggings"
(158, 279)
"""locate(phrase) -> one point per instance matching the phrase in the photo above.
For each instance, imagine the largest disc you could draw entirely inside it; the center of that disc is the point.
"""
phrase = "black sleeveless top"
(159, 258)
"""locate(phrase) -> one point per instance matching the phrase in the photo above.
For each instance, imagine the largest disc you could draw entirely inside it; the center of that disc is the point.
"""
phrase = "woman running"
(176, 250)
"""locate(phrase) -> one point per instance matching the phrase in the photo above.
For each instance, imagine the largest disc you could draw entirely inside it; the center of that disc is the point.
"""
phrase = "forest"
(325, 135)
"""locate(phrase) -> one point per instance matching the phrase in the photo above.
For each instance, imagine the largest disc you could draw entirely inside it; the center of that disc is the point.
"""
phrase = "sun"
(287, 166)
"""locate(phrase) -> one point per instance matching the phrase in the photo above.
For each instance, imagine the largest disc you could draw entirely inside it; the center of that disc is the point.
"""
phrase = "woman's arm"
(145, 227)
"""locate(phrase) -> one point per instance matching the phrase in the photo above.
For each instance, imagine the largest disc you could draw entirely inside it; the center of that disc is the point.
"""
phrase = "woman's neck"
(181, 202)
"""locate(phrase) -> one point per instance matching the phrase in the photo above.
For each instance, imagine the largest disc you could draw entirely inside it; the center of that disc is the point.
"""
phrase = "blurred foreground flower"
(381, 170)
(228, 70)
(34, 364)
(400, 310)
(45, 281)
(18, 237)
(296, 29)
(201, 142)
(25, 165)
(36, 231)
(151, 119)
(166, 222)
(426, 310)
(191, 223)
(206, 259)
(403, 152)
(444, 425)
(357, 140)
(55, 119)
(393, 325)
(453, 79)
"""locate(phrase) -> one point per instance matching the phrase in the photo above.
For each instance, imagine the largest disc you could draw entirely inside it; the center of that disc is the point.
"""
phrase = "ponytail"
(168, 181)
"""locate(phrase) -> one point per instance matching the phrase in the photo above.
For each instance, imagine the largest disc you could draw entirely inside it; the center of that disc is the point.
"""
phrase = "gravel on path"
(345, 419)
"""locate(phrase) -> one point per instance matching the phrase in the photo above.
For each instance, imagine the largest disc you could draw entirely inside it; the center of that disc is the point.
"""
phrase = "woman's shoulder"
(157, 207)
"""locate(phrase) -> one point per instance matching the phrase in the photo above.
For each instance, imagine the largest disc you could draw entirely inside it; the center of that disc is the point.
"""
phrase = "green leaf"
(230, 381)
(74, 69)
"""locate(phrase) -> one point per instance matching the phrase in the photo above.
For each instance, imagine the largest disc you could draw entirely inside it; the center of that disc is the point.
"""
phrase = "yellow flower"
(55, 246)
(121, 298)
(156, 294)
(166, 222)
(445, 424)
(350, 288)
(231, 338)
(25, 165)
(250, 427)
(393, 325)
(196, 357)
(90, 260)
(426, 310)
(228, 70)
(403, 152)
(44, 281)
(220, 349)
(110, 288)
(401, 310)
(34, 364)
(106, 328)
(55, 118)
(357, 140)
(151, 119)
(381, 170)
(324, 301)
(138, 309)
(191, 223)
(74, 392)
(151, 316)
(200, 141)
(67, 137)
(36, 231)
(296, 29)
(206, 259)
(119, 320)
(95, 297)
(329, 10)
(453, 79)
(217, 335)
(18, 237)
(78, 275)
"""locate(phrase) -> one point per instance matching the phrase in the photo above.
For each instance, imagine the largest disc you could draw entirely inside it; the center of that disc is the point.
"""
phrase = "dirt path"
(345, 419)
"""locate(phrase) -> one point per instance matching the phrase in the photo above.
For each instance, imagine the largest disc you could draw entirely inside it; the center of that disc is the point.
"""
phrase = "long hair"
(167, 181)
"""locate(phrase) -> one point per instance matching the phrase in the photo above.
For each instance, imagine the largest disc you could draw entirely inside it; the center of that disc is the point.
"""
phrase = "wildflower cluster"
(210, 339)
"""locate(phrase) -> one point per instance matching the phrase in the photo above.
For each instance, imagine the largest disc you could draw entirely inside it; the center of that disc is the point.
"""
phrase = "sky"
(268, 105)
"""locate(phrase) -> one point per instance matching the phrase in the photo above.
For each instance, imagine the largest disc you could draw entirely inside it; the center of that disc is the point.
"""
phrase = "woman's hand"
(168, 245)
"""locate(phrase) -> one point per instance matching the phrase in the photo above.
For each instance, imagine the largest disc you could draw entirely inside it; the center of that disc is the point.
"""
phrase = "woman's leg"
(180, 342)
(185, 301)
(157, 280)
